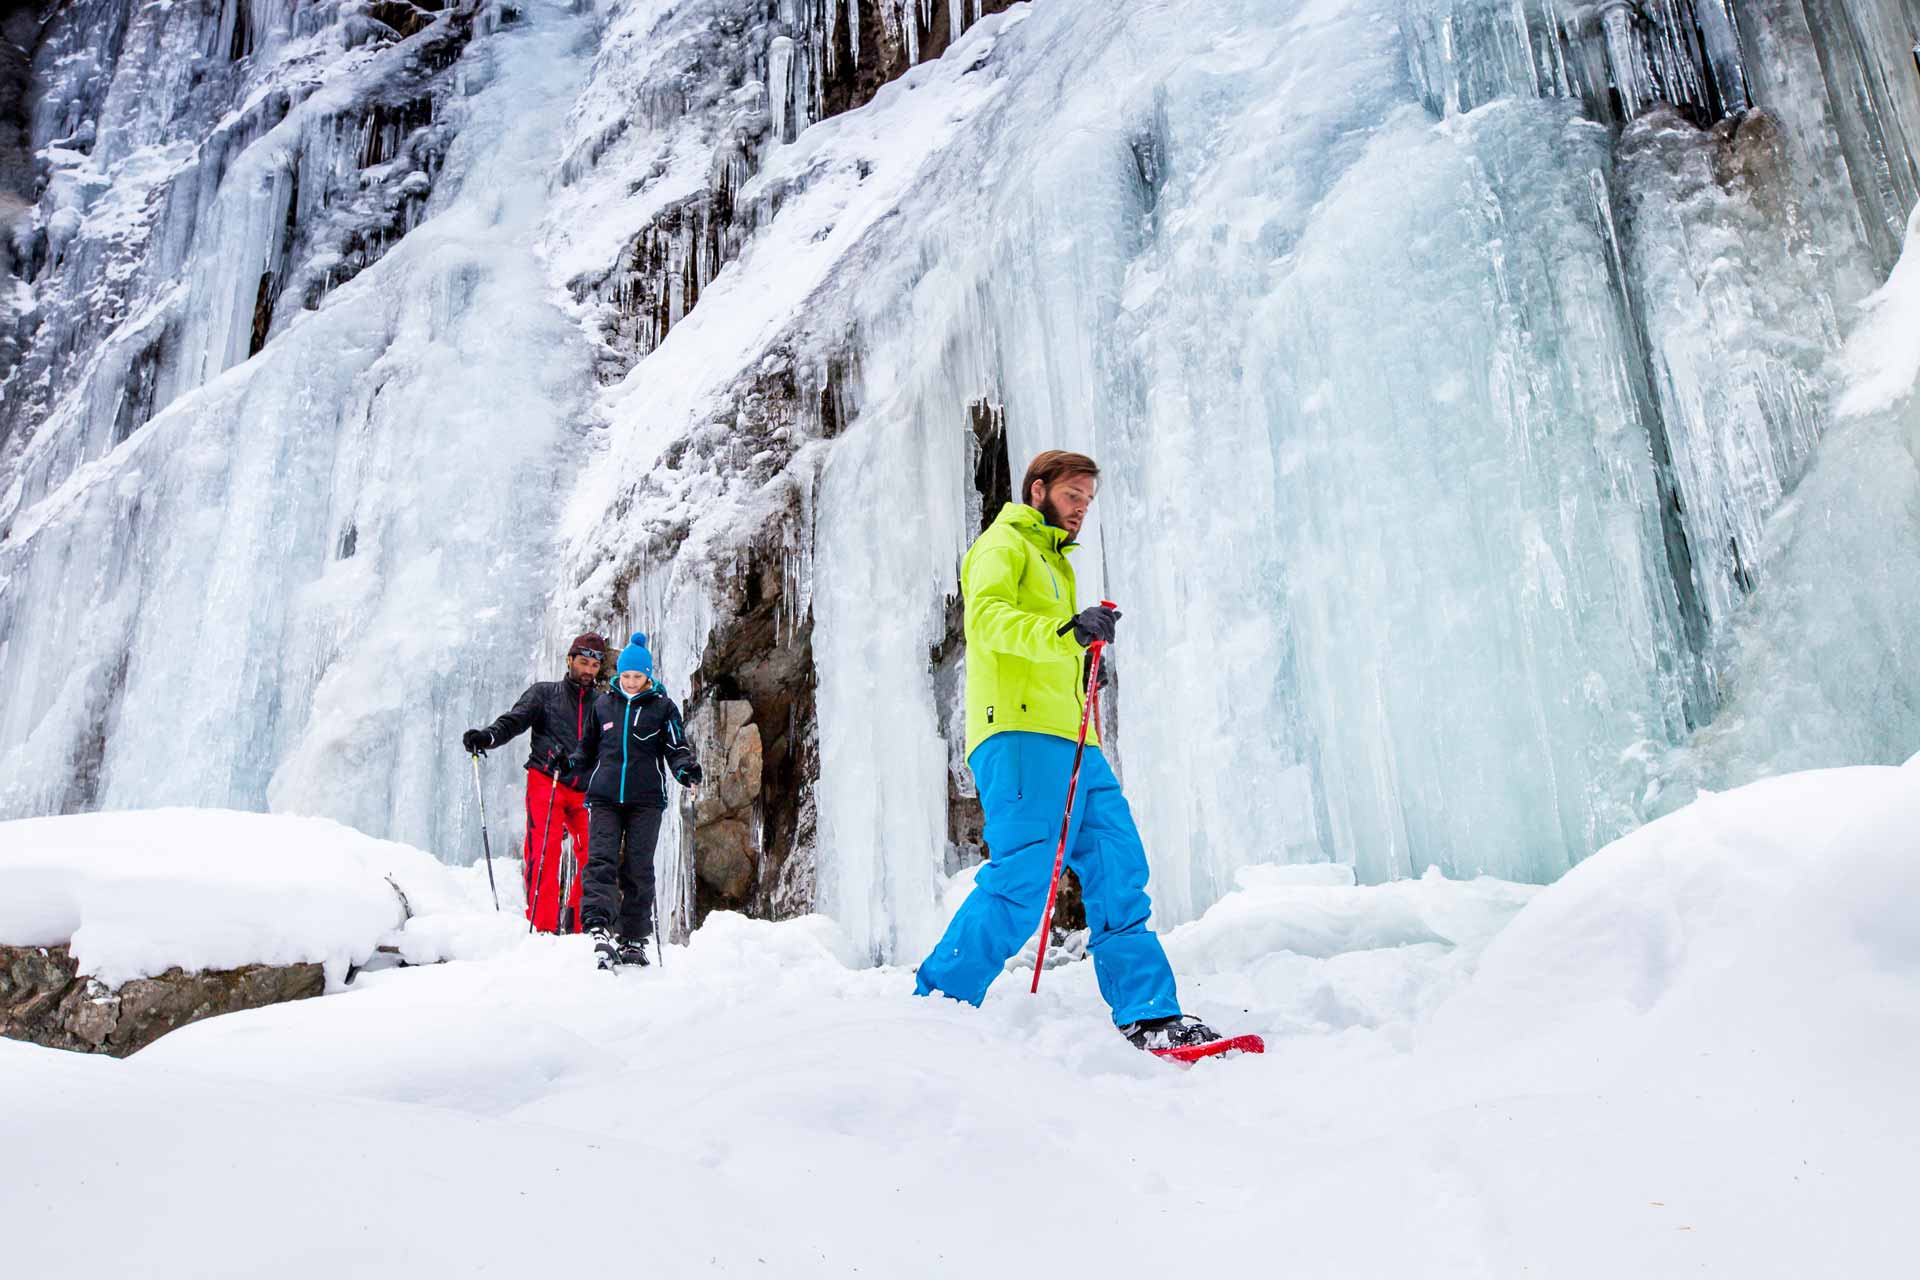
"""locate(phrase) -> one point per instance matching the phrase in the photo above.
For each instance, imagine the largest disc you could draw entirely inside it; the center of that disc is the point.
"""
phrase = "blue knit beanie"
(636, 656)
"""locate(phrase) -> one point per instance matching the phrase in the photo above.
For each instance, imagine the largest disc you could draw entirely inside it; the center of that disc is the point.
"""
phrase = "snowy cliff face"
(1465, 375)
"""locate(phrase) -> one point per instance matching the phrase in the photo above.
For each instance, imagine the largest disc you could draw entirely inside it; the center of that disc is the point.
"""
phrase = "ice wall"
(297, 582)
(1450, 391)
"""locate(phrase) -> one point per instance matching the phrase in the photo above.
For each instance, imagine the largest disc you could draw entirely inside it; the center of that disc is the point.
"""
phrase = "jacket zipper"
(626, 735)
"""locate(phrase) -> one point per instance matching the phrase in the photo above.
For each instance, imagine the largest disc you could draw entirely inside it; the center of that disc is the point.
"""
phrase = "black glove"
(476, 741)
(573, 764)
(690, 776)
(1092, 624)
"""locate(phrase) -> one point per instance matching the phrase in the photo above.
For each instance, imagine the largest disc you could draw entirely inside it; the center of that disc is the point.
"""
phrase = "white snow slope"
(1692, 1055)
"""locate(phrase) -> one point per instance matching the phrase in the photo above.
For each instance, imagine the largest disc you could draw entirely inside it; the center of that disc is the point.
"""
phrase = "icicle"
(800, 92)
(1623, 57)
(780, 86)
(830, 52)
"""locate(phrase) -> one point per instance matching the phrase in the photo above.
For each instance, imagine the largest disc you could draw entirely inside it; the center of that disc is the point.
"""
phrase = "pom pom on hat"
(636, 656)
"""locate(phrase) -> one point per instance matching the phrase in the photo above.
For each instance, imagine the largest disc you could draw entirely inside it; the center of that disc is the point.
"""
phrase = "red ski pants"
(568, 812)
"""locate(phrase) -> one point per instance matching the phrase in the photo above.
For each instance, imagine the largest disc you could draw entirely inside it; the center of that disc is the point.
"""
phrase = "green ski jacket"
(1021, 673)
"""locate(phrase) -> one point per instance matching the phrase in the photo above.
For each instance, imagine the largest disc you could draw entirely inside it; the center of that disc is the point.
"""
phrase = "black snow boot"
(606, 952)
(1168, 1033)
(633, 951)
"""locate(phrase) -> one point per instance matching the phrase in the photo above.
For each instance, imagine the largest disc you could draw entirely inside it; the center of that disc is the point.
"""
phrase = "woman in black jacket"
(633, 740)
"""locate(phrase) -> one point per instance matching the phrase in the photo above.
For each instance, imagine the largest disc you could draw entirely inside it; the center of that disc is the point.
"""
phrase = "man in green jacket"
(1026, 639)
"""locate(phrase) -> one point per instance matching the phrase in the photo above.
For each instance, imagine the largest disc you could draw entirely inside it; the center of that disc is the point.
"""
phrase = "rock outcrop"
(727, 812)
(45, 1000)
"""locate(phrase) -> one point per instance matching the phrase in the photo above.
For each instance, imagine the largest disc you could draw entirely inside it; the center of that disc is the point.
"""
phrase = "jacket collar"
(1034, 527)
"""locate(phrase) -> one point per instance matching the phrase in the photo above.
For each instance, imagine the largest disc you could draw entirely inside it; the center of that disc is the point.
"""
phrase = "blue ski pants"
(1022, 779)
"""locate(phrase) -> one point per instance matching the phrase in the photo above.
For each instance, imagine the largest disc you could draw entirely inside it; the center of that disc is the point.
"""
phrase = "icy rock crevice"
(709, 551)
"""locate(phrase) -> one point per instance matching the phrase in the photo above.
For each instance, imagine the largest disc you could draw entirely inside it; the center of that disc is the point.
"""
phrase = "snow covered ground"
(1692, 1055)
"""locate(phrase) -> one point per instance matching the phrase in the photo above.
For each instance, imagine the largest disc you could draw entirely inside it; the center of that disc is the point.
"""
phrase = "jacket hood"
(1033, 526)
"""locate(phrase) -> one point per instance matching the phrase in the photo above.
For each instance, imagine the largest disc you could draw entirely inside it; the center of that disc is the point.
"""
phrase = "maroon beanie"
(588, 640)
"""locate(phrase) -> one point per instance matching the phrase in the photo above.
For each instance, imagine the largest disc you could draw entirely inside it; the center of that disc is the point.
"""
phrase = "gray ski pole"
(486, 846)
(659, 938)
(563, 921)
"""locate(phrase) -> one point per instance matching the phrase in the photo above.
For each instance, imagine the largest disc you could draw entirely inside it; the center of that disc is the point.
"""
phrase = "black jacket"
(558, 712)
(633, 744)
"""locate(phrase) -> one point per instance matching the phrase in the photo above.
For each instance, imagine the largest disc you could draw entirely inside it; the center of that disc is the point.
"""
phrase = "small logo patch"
(606, 726)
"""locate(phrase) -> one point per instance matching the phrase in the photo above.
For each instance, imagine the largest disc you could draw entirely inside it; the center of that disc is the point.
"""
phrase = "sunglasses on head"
(586, 653)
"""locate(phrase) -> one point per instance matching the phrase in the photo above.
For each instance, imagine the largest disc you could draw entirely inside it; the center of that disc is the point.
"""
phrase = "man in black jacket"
(634, 738)
(558, 712)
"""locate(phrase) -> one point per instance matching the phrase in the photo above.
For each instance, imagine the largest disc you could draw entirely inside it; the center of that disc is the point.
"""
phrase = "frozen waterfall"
(1447, 435)
(296, 584)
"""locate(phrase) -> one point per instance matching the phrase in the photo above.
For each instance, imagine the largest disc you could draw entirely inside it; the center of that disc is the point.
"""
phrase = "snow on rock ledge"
(137, 893)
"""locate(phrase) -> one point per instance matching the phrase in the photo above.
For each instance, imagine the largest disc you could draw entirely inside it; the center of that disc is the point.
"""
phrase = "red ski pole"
(1073, 785)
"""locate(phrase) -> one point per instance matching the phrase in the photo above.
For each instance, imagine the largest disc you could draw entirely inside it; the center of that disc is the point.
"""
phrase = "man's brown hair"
(1055, 465)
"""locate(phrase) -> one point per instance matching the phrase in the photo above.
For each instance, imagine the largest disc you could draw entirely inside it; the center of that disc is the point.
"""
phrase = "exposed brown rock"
(726, 857)
(752, 714)
(405, 19)
(726, 814)
(45, 1000)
